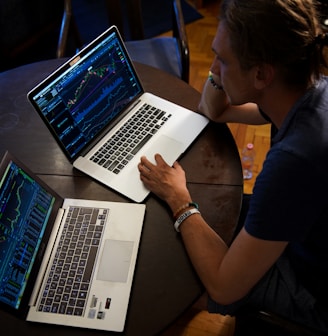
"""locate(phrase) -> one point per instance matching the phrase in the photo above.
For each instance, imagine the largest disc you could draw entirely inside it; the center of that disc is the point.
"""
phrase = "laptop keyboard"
(116, 153)
(66, 289)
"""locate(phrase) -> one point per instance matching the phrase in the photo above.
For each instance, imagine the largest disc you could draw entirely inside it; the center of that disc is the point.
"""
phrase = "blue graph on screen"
(90, 96)
(24, 213)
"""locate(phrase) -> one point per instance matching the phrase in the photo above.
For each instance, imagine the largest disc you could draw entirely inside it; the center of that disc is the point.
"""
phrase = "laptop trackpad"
(115, 260)
(170, 149)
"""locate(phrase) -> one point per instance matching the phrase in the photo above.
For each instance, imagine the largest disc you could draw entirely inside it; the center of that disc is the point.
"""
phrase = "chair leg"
(67, 23)
(63, 35)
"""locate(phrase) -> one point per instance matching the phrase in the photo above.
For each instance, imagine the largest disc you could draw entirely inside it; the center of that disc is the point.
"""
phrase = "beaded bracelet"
(184, 216)
(212, 81)
(183, 207)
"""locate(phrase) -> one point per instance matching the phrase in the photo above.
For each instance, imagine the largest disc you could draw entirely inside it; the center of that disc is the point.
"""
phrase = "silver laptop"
(98, 112)
(64, 261)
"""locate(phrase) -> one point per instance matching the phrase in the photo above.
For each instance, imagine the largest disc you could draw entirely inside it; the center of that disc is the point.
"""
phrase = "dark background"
(30, 28)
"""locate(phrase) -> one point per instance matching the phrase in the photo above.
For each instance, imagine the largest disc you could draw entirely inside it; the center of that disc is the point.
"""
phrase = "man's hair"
(283, 33)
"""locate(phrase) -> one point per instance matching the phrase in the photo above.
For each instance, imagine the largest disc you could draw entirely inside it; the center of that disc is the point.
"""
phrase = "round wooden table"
(165, 283)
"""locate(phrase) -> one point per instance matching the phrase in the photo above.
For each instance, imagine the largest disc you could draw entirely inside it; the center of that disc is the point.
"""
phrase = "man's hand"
(168, 183)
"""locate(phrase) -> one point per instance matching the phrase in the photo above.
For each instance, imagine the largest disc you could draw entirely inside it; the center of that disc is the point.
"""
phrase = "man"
(267, 65)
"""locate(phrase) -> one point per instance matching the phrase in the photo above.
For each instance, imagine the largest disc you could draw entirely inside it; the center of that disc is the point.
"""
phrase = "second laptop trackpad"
(115, 261)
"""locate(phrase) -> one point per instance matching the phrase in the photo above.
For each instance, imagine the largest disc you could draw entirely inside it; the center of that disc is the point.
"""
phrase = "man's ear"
(264, 75)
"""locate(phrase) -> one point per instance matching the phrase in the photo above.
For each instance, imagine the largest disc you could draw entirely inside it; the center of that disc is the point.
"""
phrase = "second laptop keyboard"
(116, 153)
(68, 282)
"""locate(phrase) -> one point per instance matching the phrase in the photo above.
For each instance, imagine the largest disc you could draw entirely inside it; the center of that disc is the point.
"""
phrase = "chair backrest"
(118, 10)
(127, 16)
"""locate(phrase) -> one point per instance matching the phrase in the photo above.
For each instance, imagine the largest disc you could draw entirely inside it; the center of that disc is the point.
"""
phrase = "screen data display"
(24, 212)
(83, 100)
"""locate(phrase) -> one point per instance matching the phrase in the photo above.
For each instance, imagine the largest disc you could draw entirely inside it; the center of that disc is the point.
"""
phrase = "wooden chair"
(170, 54)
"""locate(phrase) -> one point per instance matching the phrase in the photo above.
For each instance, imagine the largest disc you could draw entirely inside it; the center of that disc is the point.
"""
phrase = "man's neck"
(277, 101)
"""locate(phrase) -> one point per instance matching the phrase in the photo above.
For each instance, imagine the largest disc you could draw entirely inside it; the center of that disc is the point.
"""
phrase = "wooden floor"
(197, 321)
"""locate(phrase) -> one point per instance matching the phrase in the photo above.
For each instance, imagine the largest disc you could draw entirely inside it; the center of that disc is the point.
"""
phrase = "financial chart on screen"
(24, 212)
(80, 103)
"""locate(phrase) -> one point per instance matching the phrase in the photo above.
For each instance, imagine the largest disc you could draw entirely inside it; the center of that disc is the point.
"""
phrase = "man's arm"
(214, 105)
(228, 273)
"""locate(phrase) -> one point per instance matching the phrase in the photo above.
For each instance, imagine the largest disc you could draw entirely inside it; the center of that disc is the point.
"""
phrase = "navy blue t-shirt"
(290, 196)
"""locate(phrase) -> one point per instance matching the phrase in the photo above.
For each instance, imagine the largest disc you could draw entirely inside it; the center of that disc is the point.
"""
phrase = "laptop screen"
(25, 210)
(82, 97)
